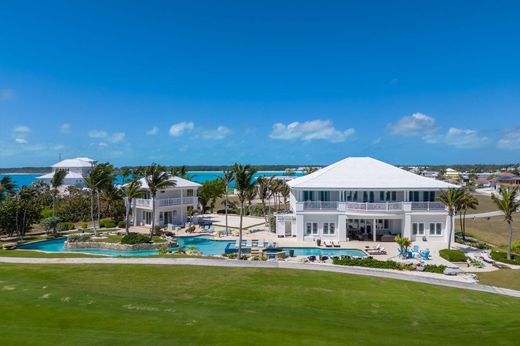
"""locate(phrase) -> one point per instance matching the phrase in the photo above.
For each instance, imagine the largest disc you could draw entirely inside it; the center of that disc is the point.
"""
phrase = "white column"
(300, 227)
(341, 227)
(406, 225)
(182, 209)
(374, 223)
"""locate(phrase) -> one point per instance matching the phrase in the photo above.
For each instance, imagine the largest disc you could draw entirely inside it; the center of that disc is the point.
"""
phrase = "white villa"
(77, 170)
(171, 204)
(366, 199)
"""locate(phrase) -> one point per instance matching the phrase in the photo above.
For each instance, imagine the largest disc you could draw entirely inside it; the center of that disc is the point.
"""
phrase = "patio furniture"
(425, 255)
(335, 243)
(311, 258)
(327, 243)
(270, 243)
(485, 257)
(261, 244)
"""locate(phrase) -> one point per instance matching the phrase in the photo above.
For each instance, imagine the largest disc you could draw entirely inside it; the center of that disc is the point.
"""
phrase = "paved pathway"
(429, 278)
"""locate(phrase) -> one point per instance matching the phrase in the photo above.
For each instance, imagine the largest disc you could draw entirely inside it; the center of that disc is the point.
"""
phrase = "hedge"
(65, 226)
(371, 263)
(453, 255)
(121, 224)
(107, 223)
(502, 257)
(135, 238)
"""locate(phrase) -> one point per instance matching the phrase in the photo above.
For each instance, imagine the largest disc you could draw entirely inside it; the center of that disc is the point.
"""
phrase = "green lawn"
(485, 204)
(503, 278)
(154, 305)
(493, 230)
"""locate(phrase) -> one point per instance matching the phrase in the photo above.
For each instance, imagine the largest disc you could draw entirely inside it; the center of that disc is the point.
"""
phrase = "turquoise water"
(199, 177)
(202, 244)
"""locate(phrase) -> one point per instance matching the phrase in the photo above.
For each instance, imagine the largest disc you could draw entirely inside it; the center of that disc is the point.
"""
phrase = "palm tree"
(156, 179)
(56, 181)
(404, 243)
(285, 191)
(7, 188)
(99, 178)
(468, 201)
(263, 193)
(244, 184)
(451, 198)
(506, 201)
(229, 176)
(181, 172)
(131, 190)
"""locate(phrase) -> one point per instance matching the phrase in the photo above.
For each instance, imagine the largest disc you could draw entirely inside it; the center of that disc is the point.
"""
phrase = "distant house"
(452, 174)
(507, 180)
(77, 170)
(482, 182)
(430, 174)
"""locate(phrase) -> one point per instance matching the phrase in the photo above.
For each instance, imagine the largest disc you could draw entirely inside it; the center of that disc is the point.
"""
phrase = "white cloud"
(6, 94)
(65, 128)
(20, 140)
(22, 129)
(117, 137)
(153, 131)
(97, 134)
(459, 138)
(510, 140)
(58, 147)
(310, 130)
(413, 125)
(178, 129)
(220, 132)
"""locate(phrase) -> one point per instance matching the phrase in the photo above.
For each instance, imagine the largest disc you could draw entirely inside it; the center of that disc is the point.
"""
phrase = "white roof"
(179, 183)
(70, 175)
(365, 173)
(77, 162)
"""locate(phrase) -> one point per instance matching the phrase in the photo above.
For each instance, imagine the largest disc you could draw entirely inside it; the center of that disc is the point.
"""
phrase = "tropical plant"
(244, 184)
(451, 198)
(7, 188)
(404, 243)
(131, 191)
(285, 191)
(467, 201)
(181, 172)
(156, 179)
(50, 223)
(56, 181)
(209, 192)
(17, 214)
(229, 176)
(263, 193)
(100, 177)
(508, 203)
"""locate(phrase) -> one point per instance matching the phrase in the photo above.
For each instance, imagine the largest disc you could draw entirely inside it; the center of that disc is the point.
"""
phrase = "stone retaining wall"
(115, 246)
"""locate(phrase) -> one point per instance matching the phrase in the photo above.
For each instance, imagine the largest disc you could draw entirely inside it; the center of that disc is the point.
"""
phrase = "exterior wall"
(441, 218)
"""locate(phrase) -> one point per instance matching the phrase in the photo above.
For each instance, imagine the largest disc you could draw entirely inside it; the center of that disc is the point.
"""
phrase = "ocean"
(197, 176)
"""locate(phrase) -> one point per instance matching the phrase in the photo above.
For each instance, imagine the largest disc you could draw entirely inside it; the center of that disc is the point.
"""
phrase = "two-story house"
(363, 198)
(171, 203)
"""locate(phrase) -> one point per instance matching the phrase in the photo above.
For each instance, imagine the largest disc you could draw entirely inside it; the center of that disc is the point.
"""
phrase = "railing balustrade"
(367, 206)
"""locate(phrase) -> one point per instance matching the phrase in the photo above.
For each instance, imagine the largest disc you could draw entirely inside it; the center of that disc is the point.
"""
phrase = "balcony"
(164, 202)
(369, 207)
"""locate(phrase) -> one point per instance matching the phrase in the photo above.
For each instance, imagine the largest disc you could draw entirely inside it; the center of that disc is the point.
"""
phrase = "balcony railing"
(369, 207)
(165, 202)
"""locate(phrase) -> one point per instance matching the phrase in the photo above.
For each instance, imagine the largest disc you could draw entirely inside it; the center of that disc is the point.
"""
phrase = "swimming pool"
(202, 244)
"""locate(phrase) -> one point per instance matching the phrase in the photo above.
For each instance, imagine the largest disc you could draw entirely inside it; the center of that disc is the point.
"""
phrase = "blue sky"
(282, 82)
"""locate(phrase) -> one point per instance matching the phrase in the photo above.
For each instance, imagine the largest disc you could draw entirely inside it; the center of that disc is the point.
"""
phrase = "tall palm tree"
(263, 193)
(451, 199)
(99, 178)
(156, 179)
(508, 203)
(468, 201)
(181, 172)
(56, 182)
(229, 176)
(285, 191)
(244, 183)
(131, 190)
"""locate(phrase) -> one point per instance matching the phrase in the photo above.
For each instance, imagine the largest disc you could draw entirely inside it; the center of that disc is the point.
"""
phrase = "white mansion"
(77, 170)
(171, 203)
(366, 199)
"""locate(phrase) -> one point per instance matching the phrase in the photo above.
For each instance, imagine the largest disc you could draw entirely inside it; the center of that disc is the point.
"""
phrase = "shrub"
(135, 238)
(46, 212)
(453, 255)
(73, 238)
(84, 225)
(50, 223)
(371, 263)
(502, 257)
(121, 224)
(65, 226)
(157, 230)
(432, 268)
(107, 223)
(515, 247)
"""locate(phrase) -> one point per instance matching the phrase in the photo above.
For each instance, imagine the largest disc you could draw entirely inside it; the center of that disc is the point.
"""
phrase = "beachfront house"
(171, 204)
(77, 170)
(360, 198)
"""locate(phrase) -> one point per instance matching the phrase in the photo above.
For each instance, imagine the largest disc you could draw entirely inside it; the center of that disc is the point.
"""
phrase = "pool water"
(202, 244)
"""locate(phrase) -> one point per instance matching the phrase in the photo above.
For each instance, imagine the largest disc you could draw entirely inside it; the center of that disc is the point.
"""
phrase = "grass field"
(153, 305)
(503, 278)
(493, 231)
(485, 204)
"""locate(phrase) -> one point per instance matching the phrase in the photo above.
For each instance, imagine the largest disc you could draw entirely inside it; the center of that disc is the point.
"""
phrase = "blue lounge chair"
(416, 249)
(425, 255)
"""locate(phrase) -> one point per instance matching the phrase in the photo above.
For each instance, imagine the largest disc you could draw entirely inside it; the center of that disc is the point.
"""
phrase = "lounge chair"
(425, 255)
(327, 243)
(485, 257)
(335, 243)
(376, 251)
(416, 249)
(311, 258)
(254, 243)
